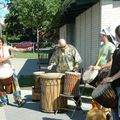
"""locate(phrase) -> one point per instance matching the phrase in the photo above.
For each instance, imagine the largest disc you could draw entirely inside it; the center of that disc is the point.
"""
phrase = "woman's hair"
(110, 39)
(2, 40)
(117, 31)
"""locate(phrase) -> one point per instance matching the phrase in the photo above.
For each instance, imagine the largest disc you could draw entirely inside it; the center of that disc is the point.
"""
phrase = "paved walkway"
(31, 111)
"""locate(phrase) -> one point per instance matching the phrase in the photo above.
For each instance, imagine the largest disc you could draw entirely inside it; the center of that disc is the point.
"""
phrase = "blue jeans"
(16, 93)
(116, 112)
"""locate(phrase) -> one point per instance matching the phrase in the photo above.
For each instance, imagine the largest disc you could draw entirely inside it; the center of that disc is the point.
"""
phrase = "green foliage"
(13, 25)
(37, 13)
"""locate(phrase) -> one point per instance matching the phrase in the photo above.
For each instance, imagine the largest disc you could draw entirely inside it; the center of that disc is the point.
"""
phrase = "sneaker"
(21, 103)
(1, 104)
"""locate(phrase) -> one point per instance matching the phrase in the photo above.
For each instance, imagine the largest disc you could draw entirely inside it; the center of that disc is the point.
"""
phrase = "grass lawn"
(26, 55)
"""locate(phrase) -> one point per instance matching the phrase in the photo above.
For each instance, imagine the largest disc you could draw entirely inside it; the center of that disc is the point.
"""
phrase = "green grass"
(26, 81)
(27, 55)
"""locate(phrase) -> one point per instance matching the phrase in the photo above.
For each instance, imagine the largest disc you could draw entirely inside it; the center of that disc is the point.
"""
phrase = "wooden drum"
(71, 83)
(6, 78)
(51, 88)
(36, 88)
(105, 95)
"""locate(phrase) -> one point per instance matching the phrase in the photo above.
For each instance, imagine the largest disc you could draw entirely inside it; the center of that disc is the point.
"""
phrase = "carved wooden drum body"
(51, 88)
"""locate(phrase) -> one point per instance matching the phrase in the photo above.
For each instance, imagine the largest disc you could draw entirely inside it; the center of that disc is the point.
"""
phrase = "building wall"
(87, 34)
(63, 32)
(68, 33)
(110, 13)
(88, 26)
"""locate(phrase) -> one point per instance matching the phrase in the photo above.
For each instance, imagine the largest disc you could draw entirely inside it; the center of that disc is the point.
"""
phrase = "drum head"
(89, 75)
(51, 75)
(73, 73)
(38, 72)
(100, 90)
(5, 72)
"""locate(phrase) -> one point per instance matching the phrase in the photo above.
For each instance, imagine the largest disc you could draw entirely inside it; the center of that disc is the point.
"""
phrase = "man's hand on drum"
(106, 80)
(94, 67)
(50, 67)
(75, 69)
(97, 67)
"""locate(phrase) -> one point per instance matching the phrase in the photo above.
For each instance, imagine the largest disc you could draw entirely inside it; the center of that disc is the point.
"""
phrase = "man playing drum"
(104, 60)
(66, 59)
(115, 75)
(5, 64)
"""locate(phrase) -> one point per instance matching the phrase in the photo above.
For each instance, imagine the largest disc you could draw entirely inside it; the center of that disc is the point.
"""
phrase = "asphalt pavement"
(31, 110)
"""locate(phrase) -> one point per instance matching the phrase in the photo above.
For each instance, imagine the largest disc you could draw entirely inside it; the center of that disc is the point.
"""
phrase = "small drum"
(105, 95)
(51, 88)
(89, 75)
(71, 83)
(36, 88)
(6, 78)
(94, 77)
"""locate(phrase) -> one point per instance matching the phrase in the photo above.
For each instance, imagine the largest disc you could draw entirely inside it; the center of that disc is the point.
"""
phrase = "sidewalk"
(31, 111)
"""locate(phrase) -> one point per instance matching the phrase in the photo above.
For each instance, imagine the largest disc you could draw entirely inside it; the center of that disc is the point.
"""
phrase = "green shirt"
(106, 50)
(65, 61)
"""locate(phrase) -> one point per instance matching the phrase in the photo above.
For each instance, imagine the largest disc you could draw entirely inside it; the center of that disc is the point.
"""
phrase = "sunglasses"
(61, 47)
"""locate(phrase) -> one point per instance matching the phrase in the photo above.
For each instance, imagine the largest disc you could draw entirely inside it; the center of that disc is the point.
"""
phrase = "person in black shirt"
(115, 75)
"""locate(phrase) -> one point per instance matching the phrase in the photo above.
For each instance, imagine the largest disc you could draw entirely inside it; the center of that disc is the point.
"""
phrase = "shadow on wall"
(26, 66)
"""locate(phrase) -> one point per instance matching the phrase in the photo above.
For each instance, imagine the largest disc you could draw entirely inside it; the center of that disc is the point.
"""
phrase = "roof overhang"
(72, 8)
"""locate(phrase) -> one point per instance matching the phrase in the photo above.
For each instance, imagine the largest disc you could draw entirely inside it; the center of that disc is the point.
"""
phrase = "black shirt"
(116, 66)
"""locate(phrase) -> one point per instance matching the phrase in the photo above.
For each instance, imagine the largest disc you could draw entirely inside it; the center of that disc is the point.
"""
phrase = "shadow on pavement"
(71, 112)
(31, 104)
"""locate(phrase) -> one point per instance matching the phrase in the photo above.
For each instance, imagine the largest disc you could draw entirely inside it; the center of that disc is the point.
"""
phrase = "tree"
(38, 14)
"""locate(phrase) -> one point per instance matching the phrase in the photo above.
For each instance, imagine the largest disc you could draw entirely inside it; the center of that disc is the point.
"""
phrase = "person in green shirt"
(105, 54)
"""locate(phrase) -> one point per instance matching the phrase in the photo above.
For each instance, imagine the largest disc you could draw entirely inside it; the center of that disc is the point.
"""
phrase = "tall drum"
(36, 88)
(51, 88)
(71, 83)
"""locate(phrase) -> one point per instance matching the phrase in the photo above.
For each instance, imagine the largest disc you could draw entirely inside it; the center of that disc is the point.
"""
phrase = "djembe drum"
(94, 77)
(105, 95)
(36, 88)
(51, 88)
(71, 83)
(6, 78)
(89, 75)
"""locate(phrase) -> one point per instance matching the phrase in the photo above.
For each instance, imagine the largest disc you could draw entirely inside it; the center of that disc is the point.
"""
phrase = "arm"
(19, 49)
(112, 78)
(2, 60)
(78, 60)
(108, 64)
(116, 76)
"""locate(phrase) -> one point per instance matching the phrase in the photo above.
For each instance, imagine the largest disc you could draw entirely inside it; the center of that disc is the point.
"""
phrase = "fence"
(24, 45)
(45, 54)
